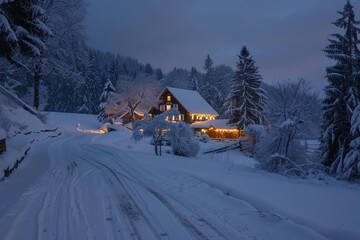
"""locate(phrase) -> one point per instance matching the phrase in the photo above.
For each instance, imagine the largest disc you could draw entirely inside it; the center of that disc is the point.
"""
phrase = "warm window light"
(226, 130)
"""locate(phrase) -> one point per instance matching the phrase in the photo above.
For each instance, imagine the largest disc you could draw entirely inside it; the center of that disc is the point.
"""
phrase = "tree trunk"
(37, 85)
(160, 146)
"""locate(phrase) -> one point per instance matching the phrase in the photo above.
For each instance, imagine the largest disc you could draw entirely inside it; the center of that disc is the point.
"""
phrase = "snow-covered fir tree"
(87, 92)
(105, 99)
(194, 80)
(114, 72)
(341, 95)
(159, 74)
(207, 90)
(246, 101)
(351, 168)
(24, 23)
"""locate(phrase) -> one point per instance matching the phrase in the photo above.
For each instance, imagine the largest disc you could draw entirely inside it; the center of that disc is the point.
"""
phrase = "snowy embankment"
(22, 129)
(91, 186)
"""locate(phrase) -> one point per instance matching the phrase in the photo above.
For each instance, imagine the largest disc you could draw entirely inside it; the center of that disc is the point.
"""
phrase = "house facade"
(190, 104)
(195, 111)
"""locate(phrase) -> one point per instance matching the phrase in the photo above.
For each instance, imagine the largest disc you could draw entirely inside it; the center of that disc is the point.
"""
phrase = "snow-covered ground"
(105, 186)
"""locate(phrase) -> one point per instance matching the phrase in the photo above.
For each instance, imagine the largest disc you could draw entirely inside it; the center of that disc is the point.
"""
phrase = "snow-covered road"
(85, 186)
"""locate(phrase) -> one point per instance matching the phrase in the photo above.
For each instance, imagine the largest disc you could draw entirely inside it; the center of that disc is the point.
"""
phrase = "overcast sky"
(286, 37)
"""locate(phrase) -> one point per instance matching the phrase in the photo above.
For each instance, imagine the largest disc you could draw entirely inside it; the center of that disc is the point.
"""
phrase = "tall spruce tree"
(351, 168)
(341, 93)
(208, 90)
(194, 80)
(246, 101)
(105, 98)
(88, 91)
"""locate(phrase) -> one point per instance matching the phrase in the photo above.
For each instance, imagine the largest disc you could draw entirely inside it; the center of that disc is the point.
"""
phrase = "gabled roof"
(217, 123)
(140, 112)
(191, 101)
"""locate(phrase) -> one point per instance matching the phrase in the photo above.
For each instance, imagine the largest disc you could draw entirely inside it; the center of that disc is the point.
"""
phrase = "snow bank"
(21, 128)
(2, 133)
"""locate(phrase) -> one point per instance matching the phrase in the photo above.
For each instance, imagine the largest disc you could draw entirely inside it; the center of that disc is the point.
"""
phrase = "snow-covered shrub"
(255, 133)
(156, 128)
(182, 140)
(179, 135)
(204, 138)
(291, 106)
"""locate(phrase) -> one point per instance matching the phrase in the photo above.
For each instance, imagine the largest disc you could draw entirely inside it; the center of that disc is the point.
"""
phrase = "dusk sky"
(286, 37)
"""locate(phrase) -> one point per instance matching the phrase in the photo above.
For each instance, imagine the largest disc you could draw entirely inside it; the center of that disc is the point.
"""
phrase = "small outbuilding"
(217, 129)
(126, 117)
(2, 140)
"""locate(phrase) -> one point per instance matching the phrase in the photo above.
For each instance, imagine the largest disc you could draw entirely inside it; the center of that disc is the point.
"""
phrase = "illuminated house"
(195, 111)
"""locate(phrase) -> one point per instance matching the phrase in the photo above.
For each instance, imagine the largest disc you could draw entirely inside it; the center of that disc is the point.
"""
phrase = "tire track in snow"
(204, 230)
(124, 203)
(62, 216)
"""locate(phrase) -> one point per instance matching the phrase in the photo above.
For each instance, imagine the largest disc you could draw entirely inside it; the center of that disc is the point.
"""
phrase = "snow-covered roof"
(191, 101)
(2, 134)
(217, 123)
(138, 112)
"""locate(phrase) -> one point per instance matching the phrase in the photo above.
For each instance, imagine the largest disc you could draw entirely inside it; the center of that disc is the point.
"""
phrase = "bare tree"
(138, 93)
(292, 105)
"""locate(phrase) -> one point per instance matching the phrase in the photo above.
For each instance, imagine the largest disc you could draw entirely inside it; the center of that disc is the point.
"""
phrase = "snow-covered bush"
(182, 140)
(291, 106)
(179, 135)
(156, 128)
(204, 138)
(254, 133)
